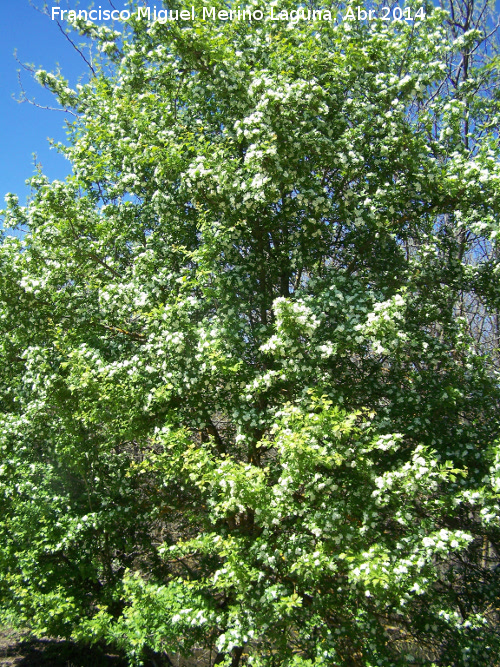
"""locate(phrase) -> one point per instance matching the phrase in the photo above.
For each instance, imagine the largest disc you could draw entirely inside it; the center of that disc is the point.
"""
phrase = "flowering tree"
(249, 400)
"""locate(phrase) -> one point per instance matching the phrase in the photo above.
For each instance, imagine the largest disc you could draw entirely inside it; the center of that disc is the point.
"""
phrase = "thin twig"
(25, 98)
(76, 48)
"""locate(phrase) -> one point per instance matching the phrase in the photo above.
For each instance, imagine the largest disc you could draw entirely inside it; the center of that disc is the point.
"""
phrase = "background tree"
(243, 409)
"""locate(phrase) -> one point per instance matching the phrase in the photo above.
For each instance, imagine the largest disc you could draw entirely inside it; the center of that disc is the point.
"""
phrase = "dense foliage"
(249, 392)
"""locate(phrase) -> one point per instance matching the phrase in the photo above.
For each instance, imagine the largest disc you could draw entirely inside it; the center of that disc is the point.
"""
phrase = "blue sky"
(24, 128)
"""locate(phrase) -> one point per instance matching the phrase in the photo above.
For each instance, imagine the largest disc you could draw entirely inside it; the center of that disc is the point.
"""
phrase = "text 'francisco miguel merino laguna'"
(213, 14)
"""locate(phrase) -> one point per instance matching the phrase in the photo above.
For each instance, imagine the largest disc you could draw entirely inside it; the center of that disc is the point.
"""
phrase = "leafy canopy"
(249, 350)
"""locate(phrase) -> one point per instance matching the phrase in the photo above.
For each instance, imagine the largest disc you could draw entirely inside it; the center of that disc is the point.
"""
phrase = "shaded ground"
(22, 651)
